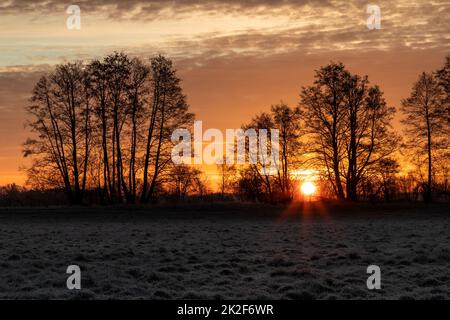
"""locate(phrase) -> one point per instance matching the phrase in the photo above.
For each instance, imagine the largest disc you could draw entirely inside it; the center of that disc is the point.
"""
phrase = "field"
(225, 251)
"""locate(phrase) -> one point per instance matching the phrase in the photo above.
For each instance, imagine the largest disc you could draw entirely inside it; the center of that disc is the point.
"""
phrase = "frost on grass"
(146, 256)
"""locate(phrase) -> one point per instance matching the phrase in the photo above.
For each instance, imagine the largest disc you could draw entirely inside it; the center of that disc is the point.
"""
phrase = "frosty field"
(226, 252)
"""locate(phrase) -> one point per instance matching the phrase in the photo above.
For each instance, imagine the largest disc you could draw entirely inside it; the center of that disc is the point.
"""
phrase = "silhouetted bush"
(13, 195)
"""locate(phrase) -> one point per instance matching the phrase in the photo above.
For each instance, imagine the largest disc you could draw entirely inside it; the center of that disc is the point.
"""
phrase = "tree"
(324, 113)
(228, 175)
(274, 175)
(98, 80)
(105, 125)
(287, 120)
(169, 110)
(117, 71)
(424, 122)
(443, 77)
(138, 97)
(249, 186)
(184, 179)
(386, 172)
(61, 117)
(348, 125)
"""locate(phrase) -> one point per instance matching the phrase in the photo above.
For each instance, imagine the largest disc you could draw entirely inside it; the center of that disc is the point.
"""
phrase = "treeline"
(105, 125)
(342, 132)
(13, 195)
(103, 134)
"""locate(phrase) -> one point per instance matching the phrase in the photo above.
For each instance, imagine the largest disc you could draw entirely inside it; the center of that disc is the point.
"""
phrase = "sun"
(308, 188)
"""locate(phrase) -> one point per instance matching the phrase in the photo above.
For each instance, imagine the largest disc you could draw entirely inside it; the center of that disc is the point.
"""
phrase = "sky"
(236, 58)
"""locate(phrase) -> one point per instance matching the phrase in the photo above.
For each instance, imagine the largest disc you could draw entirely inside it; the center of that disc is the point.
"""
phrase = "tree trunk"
(149, 140)
(428, 196)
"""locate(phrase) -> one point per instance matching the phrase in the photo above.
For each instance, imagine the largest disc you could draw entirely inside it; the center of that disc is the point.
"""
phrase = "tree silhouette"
(228, 175)
(106, 124)
(106, 127)
(443, 77)
(348, 124)
(273, 186)
(424, 122)
(287, 120)
(61, 118)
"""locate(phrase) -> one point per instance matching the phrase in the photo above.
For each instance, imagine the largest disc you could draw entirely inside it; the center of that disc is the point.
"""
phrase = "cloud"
(219, 27)
(24, 70)
(150, 9)
(154, 9)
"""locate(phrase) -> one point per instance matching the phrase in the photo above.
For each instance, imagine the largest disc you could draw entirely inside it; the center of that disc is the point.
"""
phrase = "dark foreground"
(226, 252)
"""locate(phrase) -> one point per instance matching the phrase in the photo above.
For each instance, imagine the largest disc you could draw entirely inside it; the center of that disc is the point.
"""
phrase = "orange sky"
(236, 58)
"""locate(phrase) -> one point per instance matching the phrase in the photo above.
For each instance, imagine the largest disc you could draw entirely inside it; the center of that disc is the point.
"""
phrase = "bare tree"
(106, 125)
(424, 122)
(287, 121)
(324, 115)
(118, 70)
(183, 179)
(383, 178)
(443, 77)
(260, 167)
(228, 177)
(61, 110)
(348, 124)
(138, 96)
(168, 112)
(99, 85)
(274, 177)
